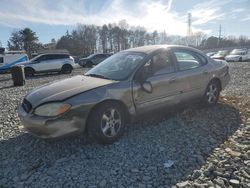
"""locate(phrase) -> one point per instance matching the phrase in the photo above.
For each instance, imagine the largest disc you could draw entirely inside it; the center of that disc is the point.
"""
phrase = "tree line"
(88, 39)
(24, 39)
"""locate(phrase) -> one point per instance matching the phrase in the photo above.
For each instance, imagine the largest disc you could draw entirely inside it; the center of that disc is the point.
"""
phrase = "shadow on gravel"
(7, 87)
(187, 138)
(42, 75)
(5, 77)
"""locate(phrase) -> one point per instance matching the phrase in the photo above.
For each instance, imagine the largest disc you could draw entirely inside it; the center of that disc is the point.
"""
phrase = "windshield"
(238, 52)
(92, 55)
(35, 58)
(118, 66)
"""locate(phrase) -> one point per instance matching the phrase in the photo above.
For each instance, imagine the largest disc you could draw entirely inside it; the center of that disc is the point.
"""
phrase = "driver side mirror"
(147, 86)
(145, 72)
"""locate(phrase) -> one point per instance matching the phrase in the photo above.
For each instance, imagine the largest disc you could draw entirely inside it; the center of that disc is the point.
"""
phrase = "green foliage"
(24, 39)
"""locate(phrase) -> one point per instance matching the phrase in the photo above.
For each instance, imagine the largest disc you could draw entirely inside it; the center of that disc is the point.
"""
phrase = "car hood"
(63, 89)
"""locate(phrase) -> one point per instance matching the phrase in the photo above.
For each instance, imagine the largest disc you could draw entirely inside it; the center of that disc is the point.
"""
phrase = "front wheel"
(106, 123)
(212, 93)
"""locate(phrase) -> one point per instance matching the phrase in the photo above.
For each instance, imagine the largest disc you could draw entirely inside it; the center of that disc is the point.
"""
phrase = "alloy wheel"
(111, 122)
(212, 94)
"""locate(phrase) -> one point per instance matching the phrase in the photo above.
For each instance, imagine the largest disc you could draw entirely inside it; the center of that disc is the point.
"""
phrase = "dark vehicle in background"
(221, 54)
(93, 59)
(129, 83)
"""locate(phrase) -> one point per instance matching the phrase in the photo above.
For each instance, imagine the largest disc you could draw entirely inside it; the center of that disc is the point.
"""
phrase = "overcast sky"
(51, 18)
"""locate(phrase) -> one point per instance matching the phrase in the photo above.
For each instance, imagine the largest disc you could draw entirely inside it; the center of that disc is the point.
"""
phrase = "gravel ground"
(197, 147)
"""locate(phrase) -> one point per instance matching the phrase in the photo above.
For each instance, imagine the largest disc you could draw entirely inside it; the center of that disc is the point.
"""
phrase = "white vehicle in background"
(10, 58)
(62, 63)
(238, 55)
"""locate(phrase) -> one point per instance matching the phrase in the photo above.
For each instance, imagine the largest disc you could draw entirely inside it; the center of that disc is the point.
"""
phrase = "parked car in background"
(62, 63)
(10, 58)
(93, 59)
(209, 54)
(238, 55)
(221, 54)
(127, 84)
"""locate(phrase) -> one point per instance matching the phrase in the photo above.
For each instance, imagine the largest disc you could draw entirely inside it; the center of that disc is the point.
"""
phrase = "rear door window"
(62, 56)
(188, 60)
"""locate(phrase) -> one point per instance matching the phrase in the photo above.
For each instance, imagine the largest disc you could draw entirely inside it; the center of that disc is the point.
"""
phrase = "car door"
(164, 84)
(38, 64)
(94, 59)
(97, 59)
(193, 74)
(103, 57)
(58, 61)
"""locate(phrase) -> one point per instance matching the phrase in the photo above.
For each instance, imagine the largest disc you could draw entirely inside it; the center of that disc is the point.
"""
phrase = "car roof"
(152, 48)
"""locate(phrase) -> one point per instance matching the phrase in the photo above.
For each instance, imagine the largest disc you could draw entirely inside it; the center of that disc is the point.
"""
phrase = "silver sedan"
(129, 83)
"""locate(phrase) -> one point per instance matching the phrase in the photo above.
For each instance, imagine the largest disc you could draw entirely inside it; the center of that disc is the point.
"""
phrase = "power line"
(189, 30)
(219, 38)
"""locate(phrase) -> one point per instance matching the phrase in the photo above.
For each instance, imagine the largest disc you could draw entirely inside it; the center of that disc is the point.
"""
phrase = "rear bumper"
(47, 127)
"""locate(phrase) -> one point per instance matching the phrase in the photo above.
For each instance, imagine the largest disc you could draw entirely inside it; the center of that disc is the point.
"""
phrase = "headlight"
(52, 109)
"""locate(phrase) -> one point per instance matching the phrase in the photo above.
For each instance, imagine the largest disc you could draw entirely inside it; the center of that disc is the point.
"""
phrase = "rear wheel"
(29, 72)
(212, 93)
(106, 123)
(66, 69)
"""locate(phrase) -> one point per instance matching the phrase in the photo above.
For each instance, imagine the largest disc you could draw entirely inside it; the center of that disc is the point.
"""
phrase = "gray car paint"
(60, 90)
(86, 93)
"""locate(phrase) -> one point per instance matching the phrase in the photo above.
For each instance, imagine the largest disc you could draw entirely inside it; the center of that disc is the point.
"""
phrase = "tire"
(66, 69)
(212, 93)
(106, 123)
(29, 72)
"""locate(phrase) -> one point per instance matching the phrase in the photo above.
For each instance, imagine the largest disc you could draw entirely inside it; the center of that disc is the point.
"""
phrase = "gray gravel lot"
(209, 147)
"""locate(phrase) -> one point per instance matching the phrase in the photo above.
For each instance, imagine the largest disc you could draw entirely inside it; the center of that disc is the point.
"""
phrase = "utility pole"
(219, 40)
(189, 31)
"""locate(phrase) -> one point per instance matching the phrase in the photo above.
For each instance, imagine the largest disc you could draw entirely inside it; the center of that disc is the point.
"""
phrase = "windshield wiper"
(97, 76)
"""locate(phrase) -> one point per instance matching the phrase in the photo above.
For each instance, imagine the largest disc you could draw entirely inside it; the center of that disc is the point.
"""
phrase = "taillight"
(72, 59)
